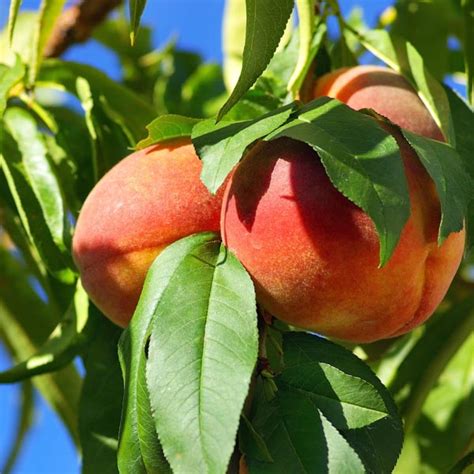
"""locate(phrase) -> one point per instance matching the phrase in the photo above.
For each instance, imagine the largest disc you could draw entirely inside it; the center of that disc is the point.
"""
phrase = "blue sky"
(198, 26)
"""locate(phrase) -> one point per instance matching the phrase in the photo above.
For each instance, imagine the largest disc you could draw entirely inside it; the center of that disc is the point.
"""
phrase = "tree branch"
(76, 24)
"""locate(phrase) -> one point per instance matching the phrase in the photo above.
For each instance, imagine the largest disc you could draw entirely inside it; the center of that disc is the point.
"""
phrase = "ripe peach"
(314, 255)
(383, 90)
(147, 201)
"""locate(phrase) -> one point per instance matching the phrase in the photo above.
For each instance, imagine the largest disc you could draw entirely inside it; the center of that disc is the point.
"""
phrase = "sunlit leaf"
(203, 348)
(36, 191)
(48, 14)
(136, 11)
(266, 22)
(166, 127)
(64, 343)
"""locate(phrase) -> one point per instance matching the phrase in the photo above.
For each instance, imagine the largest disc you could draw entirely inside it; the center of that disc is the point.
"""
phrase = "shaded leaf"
(468, 10)
(330, 413)
(463, 119)
(203, 349)
(101, 398)
(464, 465)
(453, 184)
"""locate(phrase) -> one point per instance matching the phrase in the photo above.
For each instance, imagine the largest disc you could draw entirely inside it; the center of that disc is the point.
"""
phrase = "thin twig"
(77, 23)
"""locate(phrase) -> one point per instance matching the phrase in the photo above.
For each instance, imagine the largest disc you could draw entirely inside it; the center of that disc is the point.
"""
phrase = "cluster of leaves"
(197, 368)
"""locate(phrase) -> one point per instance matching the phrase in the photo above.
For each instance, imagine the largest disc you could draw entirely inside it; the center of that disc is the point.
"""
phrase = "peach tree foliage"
(201, 378)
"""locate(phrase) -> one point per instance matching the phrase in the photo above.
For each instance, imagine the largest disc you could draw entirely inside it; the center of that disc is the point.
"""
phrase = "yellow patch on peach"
(147, 201)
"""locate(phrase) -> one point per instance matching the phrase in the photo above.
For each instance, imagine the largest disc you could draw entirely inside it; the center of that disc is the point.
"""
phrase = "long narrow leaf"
(61, 347)
(36, 191)
(265, 25)
(203, 349)
(136, 11)
(12, 16)
(48, 14)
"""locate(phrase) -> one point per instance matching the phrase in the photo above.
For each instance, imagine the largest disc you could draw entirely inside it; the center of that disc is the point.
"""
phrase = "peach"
(314, 255)
(147, 201)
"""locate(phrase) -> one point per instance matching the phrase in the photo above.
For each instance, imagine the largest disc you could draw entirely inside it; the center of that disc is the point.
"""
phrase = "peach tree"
(265, 265)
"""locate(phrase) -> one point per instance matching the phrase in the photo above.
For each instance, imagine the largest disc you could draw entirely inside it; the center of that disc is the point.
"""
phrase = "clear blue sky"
(198, 26)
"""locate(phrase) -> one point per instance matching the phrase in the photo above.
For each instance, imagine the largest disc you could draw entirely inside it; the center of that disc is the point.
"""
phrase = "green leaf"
(365, 165)
(425, 362)
(37, 192)
(71, 157)
(265, 25)
(300, 438)
(453, 184)
(404, 58)
(101, 399)
(63, 75)
(44, 183)
(252, 442)
(136, 11)
(233, 39)
(9, 77)
(12, 16)
(64, 343)
(139, 448)
(167, 127)
(48, 14)
(468, 10)
(221, 146)
(203, 349)
(464, 465)
(203, 92)
(24, 331)
(111, 140)
(22, 41)
(447, 418)
(328, 407)
(306, 17)
(463, 119)
(25, 420)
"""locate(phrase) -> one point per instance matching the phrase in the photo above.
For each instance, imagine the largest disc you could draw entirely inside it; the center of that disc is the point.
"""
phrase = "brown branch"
(75, 25)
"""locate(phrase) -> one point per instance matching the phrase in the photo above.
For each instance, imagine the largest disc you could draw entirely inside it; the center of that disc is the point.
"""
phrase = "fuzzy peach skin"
(383, 90)
(147, 201)
(314, 255)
